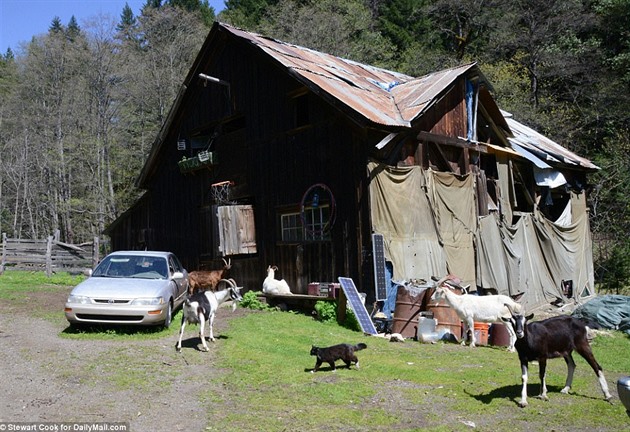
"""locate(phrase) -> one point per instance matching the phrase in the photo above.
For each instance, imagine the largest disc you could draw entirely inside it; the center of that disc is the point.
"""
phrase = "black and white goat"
(551, 338)
(202, 306)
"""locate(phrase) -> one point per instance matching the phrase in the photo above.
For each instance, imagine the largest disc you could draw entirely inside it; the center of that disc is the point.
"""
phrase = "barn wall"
(272, 162)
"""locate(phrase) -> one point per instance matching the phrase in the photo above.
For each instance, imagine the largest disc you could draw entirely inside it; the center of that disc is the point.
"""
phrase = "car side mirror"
(87, 272)
(178, 275)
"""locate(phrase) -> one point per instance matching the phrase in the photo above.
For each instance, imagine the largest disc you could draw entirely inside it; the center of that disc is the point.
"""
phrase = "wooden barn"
(275, 154)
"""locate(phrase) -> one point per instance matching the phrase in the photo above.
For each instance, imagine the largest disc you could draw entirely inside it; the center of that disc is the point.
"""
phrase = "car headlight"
(78, 299)
(153, 301)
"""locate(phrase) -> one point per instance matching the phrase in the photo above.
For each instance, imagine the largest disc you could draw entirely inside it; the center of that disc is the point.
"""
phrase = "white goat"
(271, 285)
(471, 308)
(202, 306)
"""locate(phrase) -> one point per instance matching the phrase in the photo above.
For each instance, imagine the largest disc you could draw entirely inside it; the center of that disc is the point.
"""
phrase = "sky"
(20, 20)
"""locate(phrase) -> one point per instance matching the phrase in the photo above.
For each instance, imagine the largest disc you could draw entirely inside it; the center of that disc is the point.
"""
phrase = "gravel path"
(146, 384)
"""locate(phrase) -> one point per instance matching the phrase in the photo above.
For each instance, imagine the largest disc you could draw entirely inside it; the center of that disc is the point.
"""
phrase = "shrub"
(351, 322)
(326, 311)
(250, 301)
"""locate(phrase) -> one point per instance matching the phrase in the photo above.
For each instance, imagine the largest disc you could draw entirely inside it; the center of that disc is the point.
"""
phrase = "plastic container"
(313, 289)
(429, 337)
(481, 333)
(427, 329)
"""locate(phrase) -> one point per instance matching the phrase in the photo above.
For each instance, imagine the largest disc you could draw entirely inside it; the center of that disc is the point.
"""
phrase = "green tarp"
(430, 226)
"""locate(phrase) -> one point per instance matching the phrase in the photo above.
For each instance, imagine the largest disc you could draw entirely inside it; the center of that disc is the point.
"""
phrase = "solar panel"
(378, 253)
(350, 290)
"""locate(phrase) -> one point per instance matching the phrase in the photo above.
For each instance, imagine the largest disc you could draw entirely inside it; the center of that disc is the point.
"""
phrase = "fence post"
(96, 247)
(4, 252)
(49, 256)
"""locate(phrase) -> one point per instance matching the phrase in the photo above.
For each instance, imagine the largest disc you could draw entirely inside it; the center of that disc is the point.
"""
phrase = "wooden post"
(49, 256)
(96, 247)
(4, 252)
(341, 307)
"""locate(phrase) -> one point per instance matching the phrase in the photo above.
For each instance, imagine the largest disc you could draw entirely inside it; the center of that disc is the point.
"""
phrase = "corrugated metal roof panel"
(381, 96)
(390, 98)
(541, 145)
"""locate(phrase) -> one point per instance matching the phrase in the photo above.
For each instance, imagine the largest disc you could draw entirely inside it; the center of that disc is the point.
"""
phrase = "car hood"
(120, 287)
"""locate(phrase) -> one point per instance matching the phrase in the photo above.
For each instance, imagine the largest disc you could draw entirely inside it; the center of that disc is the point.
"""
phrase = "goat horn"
(441, 281)
(230, 282)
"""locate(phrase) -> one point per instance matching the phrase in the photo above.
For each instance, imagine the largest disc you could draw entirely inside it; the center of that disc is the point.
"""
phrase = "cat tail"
(360, 346)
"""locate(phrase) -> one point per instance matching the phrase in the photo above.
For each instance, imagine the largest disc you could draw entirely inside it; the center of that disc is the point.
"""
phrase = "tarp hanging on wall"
(452, 199)
(402, 213)
(534, 256)
(430, 227)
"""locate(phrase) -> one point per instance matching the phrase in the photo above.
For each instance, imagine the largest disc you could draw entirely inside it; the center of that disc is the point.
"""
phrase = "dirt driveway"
(49, 378)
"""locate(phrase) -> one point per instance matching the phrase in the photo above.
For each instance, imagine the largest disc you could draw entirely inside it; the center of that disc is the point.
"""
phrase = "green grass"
(15, 283)
(262, 380)
(267, 355)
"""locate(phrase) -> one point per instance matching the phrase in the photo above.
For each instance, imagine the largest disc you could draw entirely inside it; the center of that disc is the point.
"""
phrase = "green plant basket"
(202, 160)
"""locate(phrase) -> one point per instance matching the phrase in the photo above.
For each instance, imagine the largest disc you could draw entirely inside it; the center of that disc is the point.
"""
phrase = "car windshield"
(132, 266)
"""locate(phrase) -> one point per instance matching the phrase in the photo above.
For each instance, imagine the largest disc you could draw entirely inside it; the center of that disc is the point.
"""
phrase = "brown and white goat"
(551, 338)
(201, 280)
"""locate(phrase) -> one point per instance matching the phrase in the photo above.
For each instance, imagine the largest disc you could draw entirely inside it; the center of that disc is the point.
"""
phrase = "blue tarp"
(609, 311)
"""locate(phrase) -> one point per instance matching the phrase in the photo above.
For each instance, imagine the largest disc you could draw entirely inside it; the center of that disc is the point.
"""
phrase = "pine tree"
(127, 20)
(55, 25)
(73, 29)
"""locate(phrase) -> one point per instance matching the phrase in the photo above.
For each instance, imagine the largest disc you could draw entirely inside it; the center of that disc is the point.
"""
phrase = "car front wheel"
(169, 315)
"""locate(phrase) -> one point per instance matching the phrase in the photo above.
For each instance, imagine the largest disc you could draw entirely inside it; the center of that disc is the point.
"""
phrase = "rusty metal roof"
(543, 147)
(384, 97)
(393, 99)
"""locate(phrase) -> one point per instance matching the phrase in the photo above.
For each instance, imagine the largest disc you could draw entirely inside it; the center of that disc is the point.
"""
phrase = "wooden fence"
(48, 255)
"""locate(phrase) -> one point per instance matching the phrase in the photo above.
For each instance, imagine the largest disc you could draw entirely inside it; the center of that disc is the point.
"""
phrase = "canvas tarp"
(534, 256)
(429, 223)
(609, 311)
(402, 214)
(452, 199)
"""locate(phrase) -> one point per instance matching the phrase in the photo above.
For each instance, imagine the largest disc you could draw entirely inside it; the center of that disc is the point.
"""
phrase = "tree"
(205, 11)
(462, 24)
(73, 29)
(339, 28)
(246, 14)
(128, 20)
(55, 26)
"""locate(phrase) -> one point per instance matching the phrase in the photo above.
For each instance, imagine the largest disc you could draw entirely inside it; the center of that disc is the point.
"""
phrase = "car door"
(182, 282)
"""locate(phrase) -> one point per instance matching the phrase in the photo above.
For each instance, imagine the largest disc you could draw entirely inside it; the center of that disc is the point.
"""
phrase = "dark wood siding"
(272, 154)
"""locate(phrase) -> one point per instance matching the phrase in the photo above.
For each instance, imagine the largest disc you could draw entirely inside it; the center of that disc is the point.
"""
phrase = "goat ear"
(529, 317)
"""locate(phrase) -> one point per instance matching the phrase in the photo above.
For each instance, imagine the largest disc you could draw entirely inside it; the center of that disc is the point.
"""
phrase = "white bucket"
(426, 329)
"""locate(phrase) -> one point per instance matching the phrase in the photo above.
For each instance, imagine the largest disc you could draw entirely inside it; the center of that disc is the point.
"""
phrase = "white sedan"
(131, 288)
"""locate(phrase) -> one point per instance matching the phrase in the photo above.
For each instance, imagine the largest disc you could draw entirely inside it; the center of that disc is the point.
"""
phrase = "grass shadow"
(122, 330)
(513, 392)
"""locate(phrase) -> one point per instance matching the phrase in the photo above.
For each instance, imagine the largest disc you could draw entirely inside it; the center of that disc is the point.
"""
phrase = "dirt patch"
(49, 378)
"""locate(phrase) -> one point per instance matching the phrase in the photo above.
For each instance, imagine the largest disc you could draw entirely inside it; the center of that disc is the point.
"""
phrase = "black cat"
(333, 353)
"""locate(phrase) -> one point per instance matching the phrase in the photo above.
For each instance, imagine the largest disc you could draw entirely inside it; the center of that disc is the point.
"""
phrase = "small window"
(291, 227)
(312, 225)
(299, 101)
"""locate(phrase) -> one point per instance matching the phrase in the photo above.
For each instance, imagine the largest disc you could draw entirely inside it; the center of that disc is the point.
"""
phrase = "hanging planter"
(203, 159)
